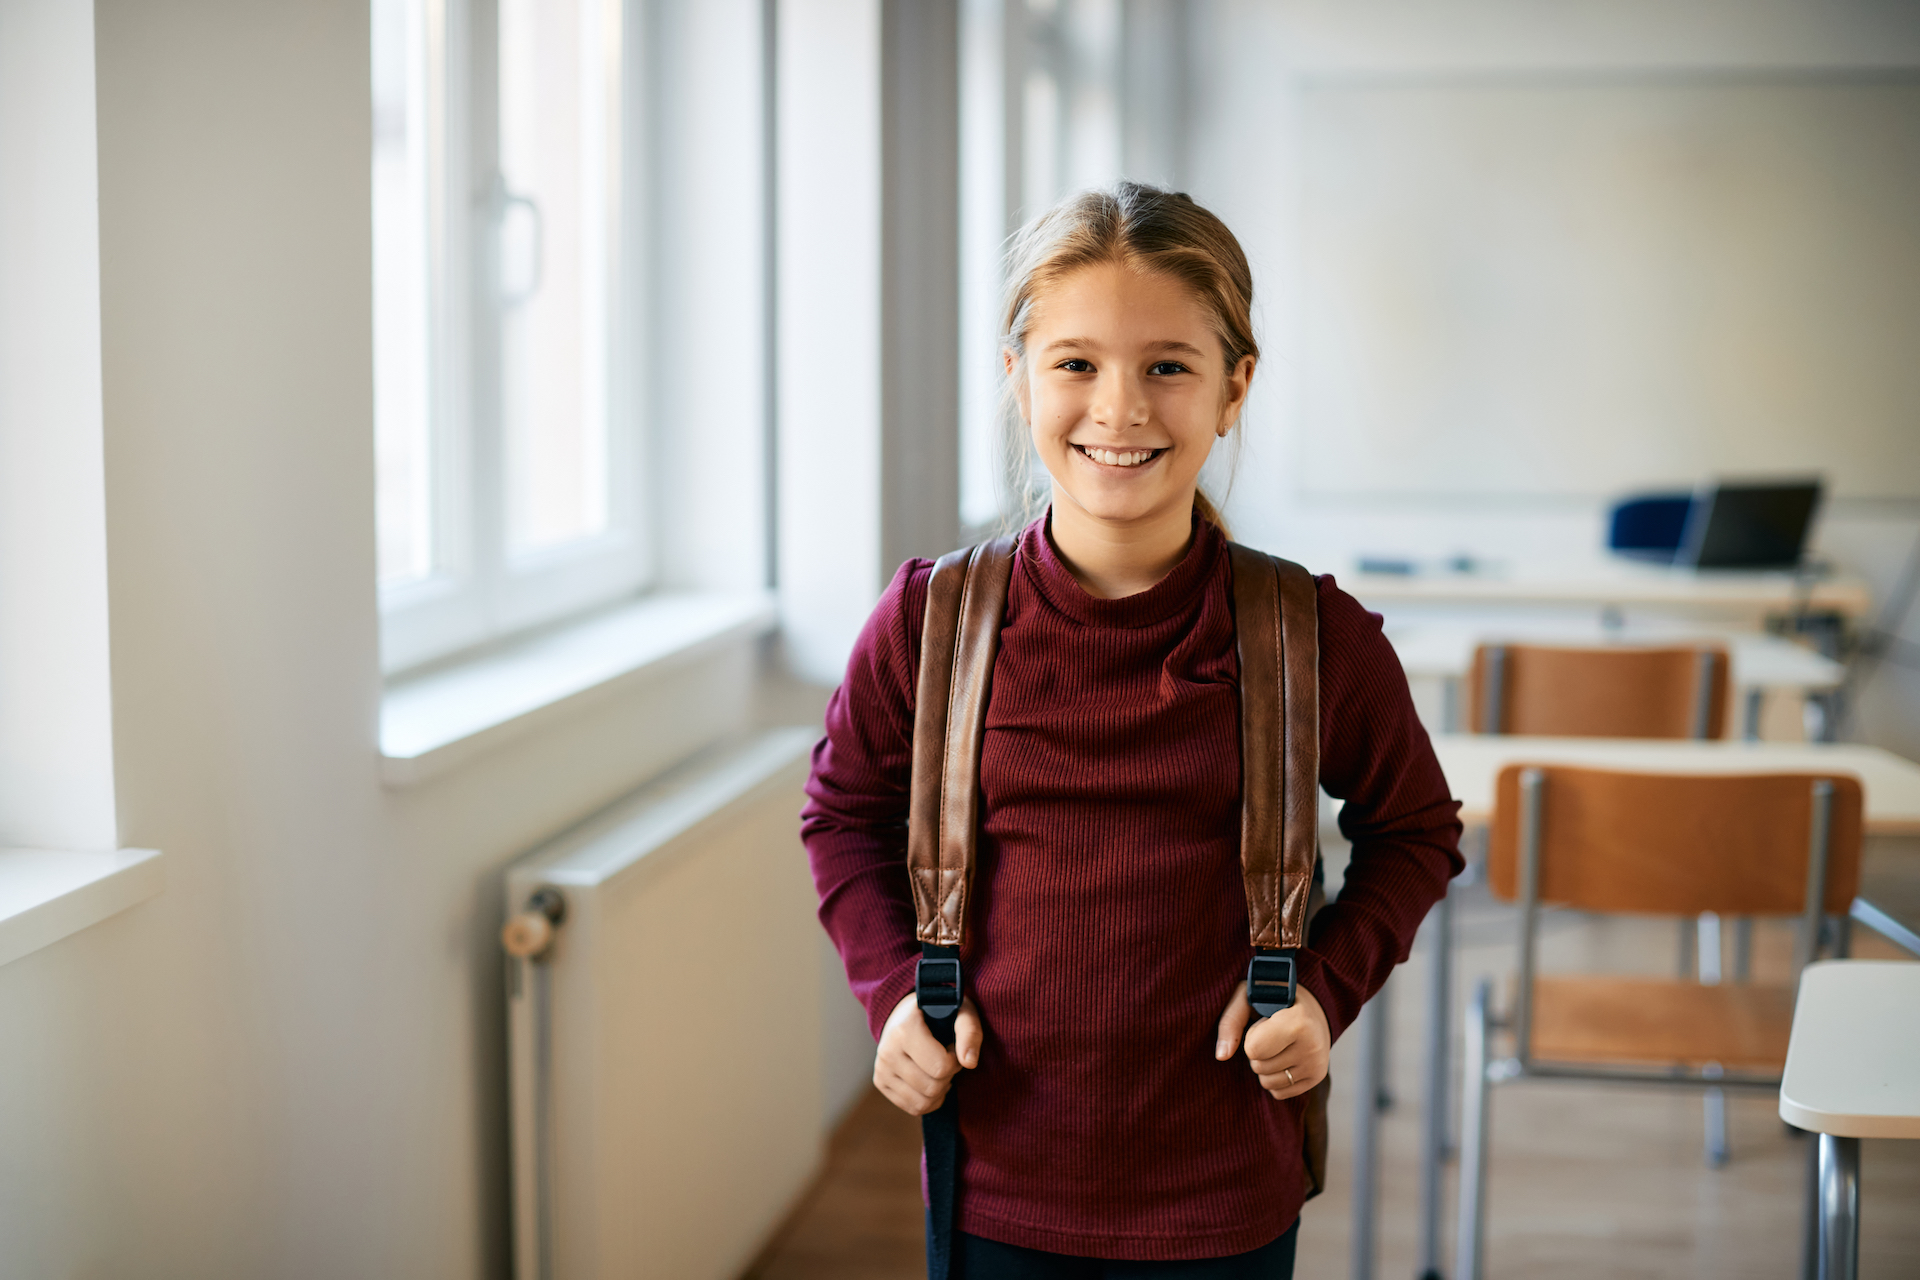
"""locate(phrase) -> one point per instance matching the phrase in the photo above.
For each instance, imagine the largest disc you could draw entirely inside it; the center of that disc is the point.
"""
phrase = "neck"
(1112, 560)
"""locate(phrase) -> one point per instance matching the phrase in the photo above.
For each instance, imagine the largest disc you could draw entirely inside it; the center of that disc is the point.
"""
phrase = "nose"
(1120, 400)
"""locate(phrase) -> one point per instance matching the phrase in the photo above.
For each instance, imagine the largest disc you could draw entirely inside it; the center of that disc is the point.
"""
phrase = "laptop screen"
(1750, 526)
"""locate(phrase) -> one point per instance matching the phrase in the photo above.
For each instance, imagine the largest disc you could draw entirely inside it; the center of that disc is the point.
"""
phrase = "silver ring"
(1289, 1071)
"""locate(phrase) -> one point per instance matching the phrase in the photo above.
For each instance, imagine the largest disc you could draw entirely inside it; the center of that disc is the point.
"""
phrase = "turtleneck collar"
(1048, 574)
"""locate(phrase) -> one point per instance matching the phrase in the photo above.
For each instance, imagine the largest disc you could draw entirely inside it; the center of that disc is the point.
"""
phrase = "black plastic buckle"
(937, 988)
(1270, 982)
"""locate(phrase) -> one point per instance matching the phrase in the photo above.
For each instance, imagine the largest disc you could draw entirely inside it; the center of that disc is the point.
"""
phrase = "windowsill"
(46, 894)
(430, 723)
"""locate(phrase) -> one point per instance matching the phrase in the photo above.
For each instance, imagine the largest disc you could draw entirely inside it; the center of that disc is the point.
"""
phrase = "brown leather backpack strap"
(938, 631)
(966, 599)
(1300, 663)
(1276, 623)
(1256, 621)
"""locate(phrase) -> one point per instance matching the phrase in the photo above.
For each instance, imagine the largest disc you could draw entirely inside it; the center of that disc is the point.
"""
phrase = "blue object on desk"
(1649, 526)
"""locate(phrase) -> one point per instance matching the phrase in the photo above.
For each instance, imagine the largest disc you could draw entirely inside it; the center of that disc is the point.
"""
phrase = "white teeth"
(1117, 458)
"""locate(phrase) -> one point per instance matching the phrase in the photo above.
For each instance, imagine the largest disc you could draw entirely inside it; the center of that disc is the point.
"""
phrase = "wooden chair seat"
(1656, 1022)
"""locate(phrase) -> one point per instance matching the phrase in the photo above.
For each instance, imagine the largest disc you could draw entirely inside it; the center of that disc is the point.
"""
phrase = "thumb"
(968, 1035)
(1233, 1023)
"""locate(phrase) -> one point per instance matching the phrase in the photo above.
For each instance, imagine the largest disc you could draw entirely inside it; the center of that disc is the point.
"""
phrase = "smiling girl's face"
(1125, 392)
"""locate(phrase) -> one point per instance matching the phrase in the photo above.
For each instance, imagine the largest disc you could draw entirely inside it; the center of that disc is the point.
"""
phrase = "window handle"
(508, 202)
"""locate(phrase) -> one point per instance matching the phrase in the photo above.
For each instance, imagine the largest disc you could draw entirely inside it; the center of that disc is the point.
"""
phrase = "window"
(506, 434)
(1041, 116)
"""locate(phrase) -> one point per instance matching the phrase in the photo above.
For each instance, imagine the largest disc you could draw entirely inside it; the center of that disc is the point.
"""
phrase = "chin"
(1116, 509)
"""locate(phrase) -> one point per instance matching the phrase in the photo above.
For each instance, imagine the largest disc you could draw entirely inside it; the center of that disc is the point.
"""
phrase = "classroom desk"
(1620, 584)
(1890, 784)
(1853, 1072)
(1443, 651)
(1472, 762)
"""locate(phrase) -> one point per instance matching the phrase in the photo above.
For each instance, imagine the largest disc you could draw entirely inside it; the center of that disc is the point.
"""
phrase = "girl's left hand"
(1288, 1051)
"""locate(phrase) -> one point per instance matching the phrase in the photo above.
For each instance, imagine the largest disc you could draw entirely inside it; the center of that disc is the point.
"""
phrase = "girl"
(1119, 1116)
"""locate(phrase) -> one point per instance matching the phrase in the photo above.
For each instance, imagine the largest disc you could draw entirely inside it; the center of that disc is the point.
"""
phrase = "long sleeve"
(1399, 813)
(855, 820)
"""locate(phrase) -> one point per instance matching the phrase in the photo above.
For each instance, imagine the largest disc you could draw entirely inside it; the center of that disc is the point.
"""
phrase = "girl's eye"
(1167, 368)
(1076, 365)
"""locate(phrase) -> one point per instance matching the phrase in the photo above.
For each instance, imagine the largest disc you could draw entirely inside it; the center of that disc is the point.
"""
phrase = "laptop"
(1749, 525)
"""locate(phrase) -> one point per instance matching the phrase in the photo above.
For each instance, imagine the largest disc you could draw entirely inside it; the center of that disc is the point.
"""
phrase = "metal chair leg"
(1433, 1137)
(1716, 1116)
(1473, 1135)
(1810, 1224)
(1839, 1208)
(1366, 1137)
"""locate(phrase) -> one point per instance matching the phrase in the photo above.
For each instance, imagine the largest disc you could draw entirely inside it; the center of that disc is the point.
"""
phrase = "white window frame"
(477, 592)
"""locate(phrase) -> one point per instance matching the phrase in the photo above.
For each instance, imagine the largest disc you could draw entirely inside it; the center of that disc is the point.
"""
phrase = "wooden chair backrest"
(1615, 691)
(1677, 844)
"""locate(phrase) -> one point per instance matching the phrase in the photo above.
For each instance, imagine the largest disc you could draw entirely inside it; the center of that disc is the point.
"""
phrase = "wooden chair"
(1615, 691)
(1666, 844)
(1612, 692)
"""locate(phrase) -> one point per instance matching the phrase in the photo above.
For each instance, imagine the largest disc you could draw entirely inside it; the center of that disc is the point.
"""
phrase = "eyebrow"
(1165, 344)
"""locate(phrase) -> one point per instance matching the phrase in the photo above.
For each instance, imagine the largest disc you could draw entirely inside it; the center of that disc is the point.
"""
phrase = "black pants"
(977, 1259)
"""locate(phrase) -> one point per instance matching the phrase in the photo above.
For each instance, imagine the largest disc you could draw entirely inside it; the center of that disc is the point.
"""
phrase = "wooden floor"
(1587, 1180)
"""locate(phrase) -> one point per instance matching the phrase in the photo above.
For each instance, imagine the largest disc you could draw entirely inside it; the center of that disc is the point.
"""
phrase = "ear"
(1239, 381)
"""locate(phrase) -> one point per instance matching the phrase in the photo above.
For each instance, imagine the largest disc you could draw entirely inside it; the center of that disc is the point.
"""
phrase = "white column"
(868, 284)
(829, 327)
(56, 729)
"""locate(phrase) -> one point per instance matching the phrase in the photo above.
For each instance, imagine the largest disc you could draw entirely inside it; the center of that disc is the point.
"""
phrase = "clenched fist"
(913, 1069)
(1287, 1051)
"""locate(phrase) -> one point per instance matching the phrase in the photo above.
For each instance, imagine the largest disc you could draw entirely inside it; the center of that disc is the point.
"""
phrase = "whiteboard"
(1580, 288)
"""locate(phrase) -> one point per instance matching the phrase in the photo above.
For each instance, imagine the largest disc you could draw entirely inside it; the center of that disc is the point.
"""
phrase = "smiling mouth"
(1121, 458)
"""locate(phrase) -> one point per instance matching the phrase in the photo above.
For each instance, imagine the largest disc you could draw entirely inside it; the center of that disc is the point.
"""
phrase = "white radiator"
(666, 1047)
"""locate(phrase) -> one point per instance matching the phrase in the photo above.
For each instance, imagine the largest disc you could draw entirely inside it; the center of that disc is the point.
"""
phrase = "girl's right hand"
(913, 1069)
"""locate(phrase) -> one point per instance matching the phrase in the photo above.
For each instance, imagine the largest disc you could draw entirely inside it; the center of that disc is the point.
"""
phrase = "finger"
(968, 1035)
(1291, 1071)
(893, 1091)
(1303, 1066)
(1233, 1021)
(917, 1042)
(1270, 1037)
(1281, 1085)
(915, 1094)
(1299, 1056)
(911, 1075)
(914, 1104)
(1282, 1091)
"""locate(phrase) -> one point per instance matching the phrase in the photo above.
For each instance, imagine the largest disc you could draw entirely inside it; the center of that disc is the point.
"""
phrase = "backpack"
(1276, 627)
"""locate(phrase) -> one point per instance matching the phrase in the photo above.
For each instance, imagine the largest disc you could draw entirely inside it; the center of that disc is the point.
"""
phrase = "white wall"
(1258, 68)
(290, 1062)
(1580, 288)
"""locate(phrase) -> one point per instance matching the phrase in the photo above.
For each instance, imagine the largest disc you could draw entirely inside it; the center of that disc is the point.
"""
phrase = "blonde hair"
(1140, 227)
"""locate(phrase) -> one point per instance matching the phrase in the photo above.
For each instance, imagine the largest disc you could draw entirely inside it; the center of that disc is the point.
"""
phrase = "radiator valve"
(529, 932)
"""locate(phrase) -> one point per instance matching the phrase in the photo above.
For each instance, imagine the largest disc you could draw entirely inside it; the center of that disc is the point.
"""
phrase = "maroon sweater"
(1109, 918)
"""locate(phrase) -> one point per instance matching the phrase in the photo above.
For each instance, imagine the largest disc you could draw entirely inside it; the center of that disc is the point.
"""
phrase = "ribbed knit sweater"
(1109, 922)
